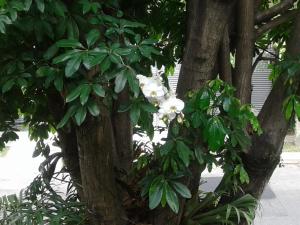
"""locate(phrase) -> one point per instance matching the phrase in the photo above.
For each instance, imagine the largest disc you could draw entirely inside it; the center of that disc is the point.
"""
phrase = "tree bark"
(96, 147)
(123, 134)
(264, 154)
(207, 20)
(244, 51)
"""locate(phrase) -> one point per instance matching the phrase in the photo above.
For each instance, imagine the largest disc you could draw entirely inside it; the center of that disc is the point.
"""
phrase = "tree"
(71, 68)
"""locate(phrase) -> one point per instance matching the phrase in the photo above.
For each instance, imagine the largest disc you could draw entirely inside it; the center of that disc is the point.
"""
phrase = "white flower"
(143, 80)
(166, 115)
(172, 105)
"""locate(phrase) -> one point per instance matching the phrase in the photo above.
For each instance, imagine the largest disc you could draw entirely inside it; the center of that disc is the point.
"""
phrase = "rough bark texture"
(224, 58)
(96, 144)
(123, 134)
(69, 147)
(207, 20)
(244, 51)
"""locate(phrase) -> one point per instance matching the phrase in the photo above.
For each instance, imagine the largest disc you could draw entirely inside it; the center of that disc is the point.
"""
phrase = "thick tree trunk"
(207, 20)
(96, 147)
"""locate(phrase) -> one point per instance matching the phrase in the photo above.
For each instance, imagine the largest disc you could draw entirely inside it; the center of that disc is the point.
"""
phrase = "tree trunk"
(69, 148)
(123, 134)
(96, 149)
(264, 155)
(244, 50)
(206, 21)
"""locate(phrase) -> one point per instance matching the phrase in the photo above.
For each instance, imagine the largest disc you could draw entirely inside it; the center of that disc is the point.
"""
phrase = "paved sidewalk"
(280, 202)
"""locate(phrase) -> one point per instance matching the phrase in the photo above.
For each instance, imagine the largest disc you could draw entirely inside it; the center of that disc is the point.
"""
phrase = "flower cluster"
(157, 94)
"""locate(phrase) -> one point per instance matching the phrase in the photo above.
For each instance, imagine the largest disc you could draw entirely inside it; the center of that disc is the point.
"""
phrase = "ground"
(279, 206)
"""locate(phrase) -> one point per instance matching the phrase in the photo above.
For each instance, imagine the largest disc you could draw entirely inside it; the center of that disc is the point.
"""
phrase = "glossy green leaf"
(155, 193)
(172, 199)
(74, 94)
(181, 189)
(98, 90)
(85, 93)
(93, 108)
(135, 113)
(40, 5)
(183, 152)
(80, 115)
(120, 82)
(72, 66)
(69, 43)
(92, 37)
(51, 52)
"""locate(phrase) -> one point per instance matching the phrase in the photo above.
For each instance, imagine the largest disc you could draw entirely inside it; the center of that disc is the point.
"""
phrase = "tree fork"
(207, 19)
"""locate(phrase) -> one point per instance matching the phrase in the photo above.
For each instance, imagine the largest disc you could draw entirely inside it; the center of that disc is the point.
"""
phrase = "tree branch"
(273, 11)
(275, 22)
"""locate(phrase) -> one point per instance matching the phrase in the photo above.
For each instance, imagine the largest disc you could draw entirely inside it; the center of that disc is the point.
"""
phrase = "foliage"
(213, 132)
(62, 64)
(40, 204)
(209, 210)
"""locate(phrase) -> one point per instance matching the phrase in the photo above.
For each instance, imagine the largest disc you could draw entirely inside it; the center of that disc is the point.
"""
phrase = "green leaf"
(51, 52)
(183, 152)
(226, 104)
(123, 51)
(244, 177)
(135, 114)
(8, 85)
(167, 147)
(148, 107)
(120, 82)
(132, 81)
(197, 119)
(105, 64)
(297, 108)
(215, 133)
(99, 90)
(93, 108)
(92, 37)
(203, 100)
(70, 112)
(45, 71)
(69, 43)
(181, 189)
(80, 115)
(155, 192)
(289, 108)
(85, 93)
(199, 155)
(66, 56)
(72, 66)
(74, 94)
(59, 83)
(172, 199)
(40, 5)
